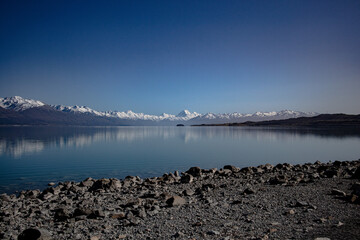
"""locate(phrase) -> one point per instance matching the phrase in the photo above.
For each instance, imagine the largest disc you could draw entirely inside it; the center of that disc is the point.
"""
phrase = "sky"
(166, 56)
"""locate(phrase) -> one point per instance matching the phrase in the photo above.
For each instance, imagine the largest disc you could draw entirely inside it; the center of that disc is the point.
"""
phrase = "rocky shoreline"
(308, 201)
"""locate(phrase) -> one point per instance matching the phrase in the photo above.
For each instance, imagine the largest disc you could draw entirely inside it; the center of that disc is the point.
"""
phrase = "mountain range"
(20, 111)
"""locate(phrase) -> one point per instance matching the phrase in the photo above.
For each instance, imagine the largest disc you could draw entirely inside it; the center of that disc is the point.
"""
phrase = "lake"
(31, 157)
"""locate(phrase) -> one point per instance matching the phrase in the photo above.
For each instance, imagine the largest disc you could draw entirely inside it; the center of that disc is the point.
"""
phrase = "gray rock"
(175, 201)
(87, 182)
(188, 192)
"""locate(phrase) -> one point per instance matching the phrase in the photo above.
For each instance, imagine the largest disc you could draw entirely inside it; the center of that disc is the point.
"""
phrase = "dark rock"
(82, 211)
(194, 171)
(100, 184)
(281, 179)
(178, 235)
(301, 204)
(97, 214)
(35, 234)
(330, 173)
(62, 214)
(232, 168)
(356, 188)
(249, 191)
(225, 172)
(140, 212)
(356, 175)
(207, 187)
(187, 178)
(247, 170)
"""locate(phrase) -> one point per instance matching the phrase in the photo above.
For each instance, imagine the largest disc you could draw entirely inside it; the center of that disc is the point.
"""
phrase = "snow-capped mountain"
(77, 109)
(19, 104)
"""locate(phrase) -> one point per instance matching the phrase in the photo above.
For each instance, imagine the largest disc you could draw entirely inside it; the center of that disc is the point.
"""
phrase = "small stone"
(339, 224)
(178, 234)
(321, 220)
(95, 238)
(301, 204)
(272, 230)
(212, 232)
(322, 238)
(51, 184)
(120, 215)
(197, 224)
(188, 192)
(338, 192)
(122, 236)
(249, 191)
(82, 211)
(291, 212)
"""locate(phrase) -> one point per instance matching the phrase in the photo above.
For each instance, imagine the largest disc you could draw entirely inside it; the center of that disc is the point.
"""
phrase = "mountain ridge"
(88, 116)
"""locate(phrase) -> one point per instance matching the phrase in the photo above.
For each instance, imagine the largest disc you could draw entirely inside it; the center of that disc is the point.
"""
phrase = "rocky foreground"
(309, 201)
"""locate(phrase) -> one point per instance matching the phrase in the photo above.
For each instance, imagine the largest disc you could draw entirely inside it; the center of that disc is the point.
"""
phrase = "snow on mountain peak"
(186, 114)
(18, 103)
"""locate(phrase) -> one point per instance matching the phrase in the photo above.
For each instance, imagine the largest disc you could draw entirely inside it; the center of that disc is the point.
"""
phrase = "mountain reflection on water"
(16, 141)
(30, 157)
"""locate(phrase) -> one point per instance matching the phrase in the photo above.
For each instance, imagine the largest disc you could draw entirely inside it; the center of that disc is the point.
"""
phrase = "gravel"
(309, 201)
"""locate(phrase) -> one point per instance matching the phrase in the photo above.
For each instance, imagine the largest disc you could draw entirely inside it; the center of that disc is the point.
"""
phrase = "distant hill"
(323, 120)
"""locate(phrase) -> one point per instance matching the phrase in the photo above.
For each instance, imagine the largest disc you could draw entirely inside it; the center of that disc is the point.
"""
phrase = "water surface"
(30, 157)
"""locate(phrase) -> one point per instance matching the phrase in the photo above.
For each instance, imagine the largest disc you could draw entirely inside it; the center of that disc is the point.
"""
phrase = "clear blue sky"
(165, 56)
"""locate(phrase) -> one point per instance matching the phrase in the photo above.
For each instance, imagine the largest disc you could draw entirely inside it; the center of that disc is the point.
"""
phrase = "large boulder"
(175, 201)
(194, 171)
(187, 178)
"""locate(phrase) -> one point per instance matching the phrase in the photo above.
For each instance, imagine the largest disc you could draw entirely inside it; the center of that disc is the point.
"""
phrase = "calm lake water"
(31, 157)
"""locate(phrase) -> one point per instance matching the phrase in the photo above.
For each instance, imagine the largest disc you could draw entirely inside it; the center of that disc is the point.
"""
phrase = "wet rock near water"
(304, 201)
